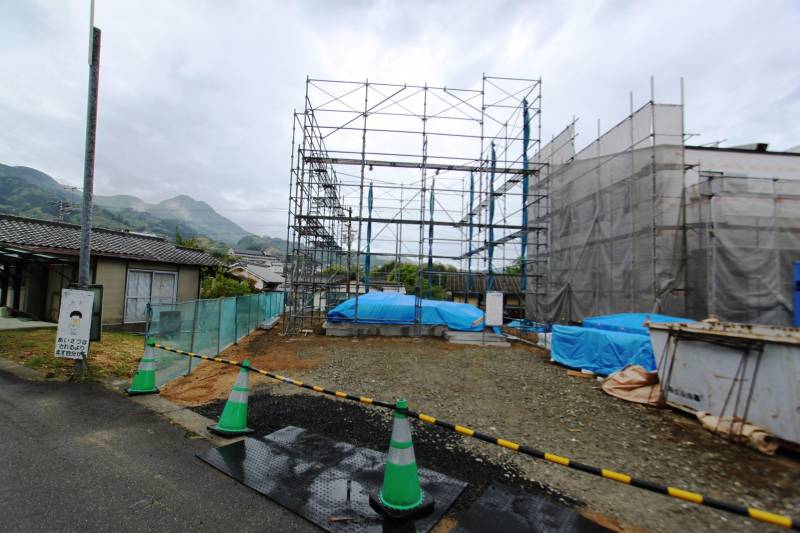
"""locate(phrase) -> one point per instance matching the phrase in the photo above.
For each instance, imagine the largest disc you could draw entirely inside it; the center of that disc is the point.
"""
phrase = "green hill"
(28, 192)
(254, 242)
(200, 216)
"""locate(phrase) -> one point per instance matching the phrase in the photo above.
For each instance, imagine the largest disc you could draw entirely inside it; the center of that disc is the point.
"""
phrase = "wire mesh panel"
(227, 330)
(254, 314)
(241, 317)
(171, 324)
(207, 326)
(274, 305)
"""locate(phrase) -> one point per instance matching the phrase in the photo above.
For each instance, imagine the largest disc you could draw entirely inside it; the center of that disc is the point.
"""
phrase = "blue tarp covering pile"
(393, 308)
(607, 344)
(629, 322)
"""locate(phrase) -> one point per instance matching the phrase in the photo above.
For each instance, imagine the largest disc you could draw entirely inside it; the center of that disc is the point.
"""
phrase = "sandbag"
(737, 430)
(635, 384)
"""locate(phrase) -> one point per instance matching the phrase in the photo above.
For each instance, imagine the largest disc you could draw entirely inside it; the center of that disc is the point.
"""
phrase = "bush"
(220, 286)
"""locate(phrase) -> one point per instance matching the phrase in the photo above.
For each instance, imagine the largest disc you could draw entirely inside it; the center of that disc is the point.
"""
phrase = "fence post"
(219, 326)
(194, 328)
(148, 321)
(235, 320)
(249, 313)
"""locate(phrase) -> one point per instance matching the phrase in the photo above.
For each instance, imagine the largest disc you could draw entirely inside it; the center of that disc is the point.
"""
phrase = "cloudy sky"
(196, 96)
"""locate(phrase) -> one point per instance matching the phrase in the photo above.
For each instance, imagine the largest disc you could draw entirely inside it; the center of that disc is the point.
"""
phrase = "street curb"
(177, 415)
(21, 371)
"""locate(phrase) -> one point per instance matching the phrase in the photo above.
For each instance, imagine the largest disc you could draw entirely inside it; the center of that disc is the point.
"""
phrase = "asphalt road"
(78, 457)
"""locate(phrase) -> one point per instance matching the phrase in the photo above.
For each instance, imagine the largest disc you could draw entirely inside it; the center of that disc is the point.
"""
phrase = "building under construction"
(639, 221)
(432, 180)
(450, 193)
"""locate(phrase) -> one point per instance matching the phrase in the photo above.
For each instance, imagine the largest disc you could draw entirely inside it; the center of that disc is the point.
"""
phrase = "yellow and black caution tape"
(675, 492)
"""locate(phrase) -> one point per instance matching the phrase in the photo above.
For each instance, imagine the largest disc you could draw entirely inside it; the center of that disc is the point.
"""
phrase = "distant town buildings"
(263, 270)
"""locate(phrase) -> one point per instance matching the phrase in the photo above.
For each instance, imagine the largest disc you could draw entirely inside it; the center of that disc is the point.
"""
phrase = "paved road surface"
(82, 458)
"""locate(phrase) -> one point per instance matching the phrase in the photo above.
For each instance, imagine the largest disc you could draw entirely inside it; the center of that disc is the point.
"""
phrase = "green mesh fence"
(207, 327)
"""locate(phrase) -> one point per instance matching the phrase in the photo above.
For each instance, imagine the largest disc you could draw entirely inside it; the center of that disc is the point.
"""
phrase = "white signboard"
(494, 308)
(74, 324)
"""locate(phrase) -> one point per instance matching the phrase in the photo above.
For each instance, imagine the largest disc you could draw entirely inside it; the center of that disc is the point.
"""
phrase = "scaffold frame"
(430, 176)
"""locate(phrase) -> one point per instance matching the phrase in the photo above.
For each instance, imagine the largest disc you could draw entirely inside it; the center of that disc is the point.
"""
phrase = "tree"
(221, 286)
(191, 242)
(407, 274)
(335, 270)
(515, 268)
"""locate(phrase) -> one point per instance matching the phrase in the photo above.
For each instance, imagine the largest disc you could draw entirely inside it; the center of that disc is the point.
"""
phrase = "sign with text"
(494, 308)
(74, 324)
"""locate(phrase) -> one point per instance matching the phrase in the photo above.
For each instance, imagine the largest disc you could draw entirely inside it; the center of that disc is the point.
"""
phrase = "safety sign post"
(74, 324)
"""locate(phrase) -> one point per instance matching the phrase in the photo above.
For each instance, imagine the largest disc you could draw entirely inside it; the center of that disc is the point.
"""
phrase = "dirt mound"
(212, 381)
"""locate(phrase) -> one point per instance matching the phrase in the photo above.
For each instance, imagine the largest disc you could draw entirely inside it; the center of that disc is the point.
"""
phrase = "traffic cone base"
(401, 496)
(233, 421)
(144, 381)
(214, 428)
(134, 392)
(423, 509)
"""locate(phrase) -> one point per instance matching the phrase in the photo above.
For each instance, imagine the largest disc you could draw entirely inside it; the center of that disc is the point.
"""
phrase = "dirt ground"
(517, 394)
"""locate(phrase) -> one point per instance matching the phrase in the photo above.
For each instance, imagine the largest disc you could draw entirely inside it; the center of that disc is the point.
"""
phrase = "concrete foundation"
(474, 338)
(477, 338)
(382, 330)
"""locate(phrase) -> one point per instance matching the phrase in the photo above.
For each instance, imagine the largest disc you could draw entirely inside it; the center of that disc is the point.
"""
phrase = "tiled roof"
(506, 283)
(247, 252)
(59, 237)
(264, 273)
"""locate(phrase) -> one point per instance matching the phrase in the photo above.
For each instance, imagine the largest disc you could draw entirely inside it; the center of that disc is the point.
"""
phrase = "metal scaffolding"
(423, 177)
(614, 210)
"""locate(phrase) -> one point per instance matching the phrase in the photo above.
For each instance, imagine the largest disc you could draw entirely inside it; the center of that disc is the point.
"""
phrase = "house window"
(145, 286)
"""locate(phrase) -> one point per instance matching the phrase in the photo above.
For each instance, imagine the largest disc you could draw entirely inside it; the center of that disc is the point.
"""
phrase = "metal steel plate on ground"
(503, 509)
(324, 481)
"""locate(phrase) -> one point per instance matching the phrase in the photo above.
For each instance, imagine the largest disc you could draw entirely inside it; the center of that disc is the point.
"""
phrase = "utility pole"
(64, 209)
(88, 167)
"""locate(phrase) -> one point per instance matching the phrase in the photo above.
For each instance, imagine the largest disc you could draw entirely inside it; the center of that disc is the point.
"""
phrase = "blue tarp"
(601, 351)
(629, 322)
(527, 325)
(393, 308)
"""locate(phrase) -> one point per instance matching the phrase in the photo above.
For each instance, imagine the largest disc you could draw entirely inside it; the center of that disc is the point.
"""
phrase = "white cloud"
(197, 96)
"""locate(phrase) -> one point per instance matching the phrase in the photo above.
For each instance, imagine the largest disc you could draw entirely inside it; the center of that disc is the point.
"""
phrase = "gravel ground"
(515, 393)
(370, 428)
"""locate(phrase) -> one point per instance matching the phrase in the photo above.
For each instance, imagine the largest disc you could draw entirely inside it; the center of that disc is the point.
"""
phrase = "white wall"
(741, 163)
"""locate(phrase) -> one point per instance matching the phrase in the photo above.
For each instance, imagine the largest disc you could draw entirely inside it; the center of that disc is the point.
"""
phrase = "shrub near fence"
(208, 326)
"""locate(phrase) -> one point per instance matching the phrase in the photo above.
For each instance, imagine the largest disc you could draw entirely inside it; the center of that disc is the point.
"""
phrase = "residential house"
(475, 294)
(38, 258)
(262, 278)
(261, 258)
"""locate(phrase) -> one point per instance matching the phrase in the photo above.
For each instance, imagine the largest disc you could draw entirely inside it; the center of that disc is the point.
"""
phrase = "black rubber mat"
(503, 509)
(325, 481)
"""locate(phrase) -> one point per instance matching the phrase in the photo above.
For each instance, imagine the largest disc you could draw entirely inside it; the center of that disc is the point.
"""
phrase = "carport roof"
(16, 254)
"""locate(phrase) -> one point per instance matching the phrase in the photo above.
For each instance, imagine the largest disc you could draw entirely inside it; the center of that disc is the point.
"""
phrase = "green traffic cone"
(144, 381)
(233, 421)
(401, 496)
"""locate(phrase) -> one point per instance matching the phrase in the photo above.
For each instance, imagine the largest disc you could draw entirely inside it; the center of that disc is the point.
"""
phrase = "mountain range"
(25, 191)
